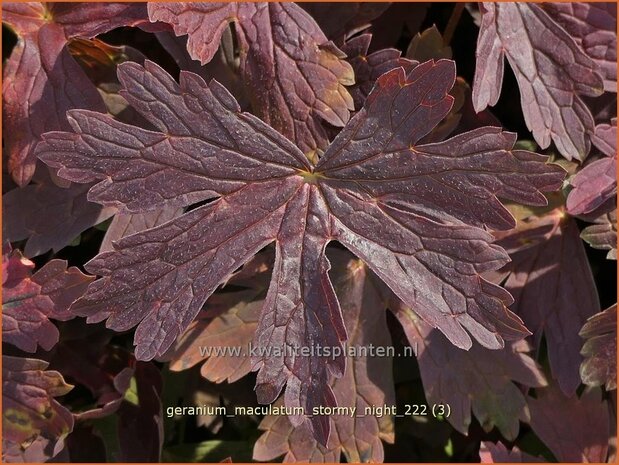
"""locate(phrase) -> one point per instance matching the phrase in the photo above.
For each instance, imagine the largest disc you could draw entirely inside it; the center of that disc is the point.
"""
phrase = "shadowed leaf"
(479, 379)
(296, 77)
(41, 80)
(367, 382)
(575, 429)
(603, 234)
(552, 72)
(554, 293)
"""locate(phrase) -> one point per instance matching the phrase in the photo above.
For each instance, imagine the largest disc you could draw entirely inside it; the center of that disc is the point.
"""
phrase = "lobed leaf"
(479, 379)
(41, 80)
(596, 183)
(603, 234)
(30, 300)
(498, 453)
(49, 216)
(551, 69)
(296, 78)
(413, 213)
(593, 26)
(554, 294)
(368, 67)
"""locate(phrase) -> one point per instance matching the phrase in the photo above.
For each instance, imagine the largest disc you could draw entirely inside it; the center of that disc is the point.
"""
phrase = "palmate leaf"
(30, 300)
(479, 379)
(41, 80)
(413, 213)
(554, 291)
(552, 72)
(296, 78)
(34, 425)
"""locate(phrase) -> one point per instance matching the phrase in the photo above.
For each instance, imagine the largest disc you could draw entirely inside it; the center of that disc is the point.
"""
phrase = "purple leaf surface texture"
(413, 213)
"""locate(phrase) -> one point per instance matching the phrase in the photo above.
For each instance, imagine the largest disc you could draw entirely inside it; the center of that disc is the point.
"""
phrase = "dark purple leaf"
(594, 27)
(600, 349)
(34, 425)
(413, 213)
(140, 419)
(399, 19)
(125, 224)
(50, 217)
(367, 382)
(479, 379)
(551, 69)
(29, 301)
(554, 294)
(574, 429)
(41, 80)
(368, 67)
(296, 77)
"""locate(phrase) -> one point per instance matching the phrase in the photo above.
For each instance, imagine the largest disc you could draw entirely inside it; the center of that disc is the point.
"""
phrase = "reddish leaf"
(554, 294)
(34, 425)
(295, 76)
(600, 349)
(479, 379)
(50, 217)
(367, 382)
(551, 69)
(603, 234)
(368, 67)
(125, 224)
(29, 301)
(594, 27)
(498, 453)
(574, 429)
(417, 225)
(41, 80)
